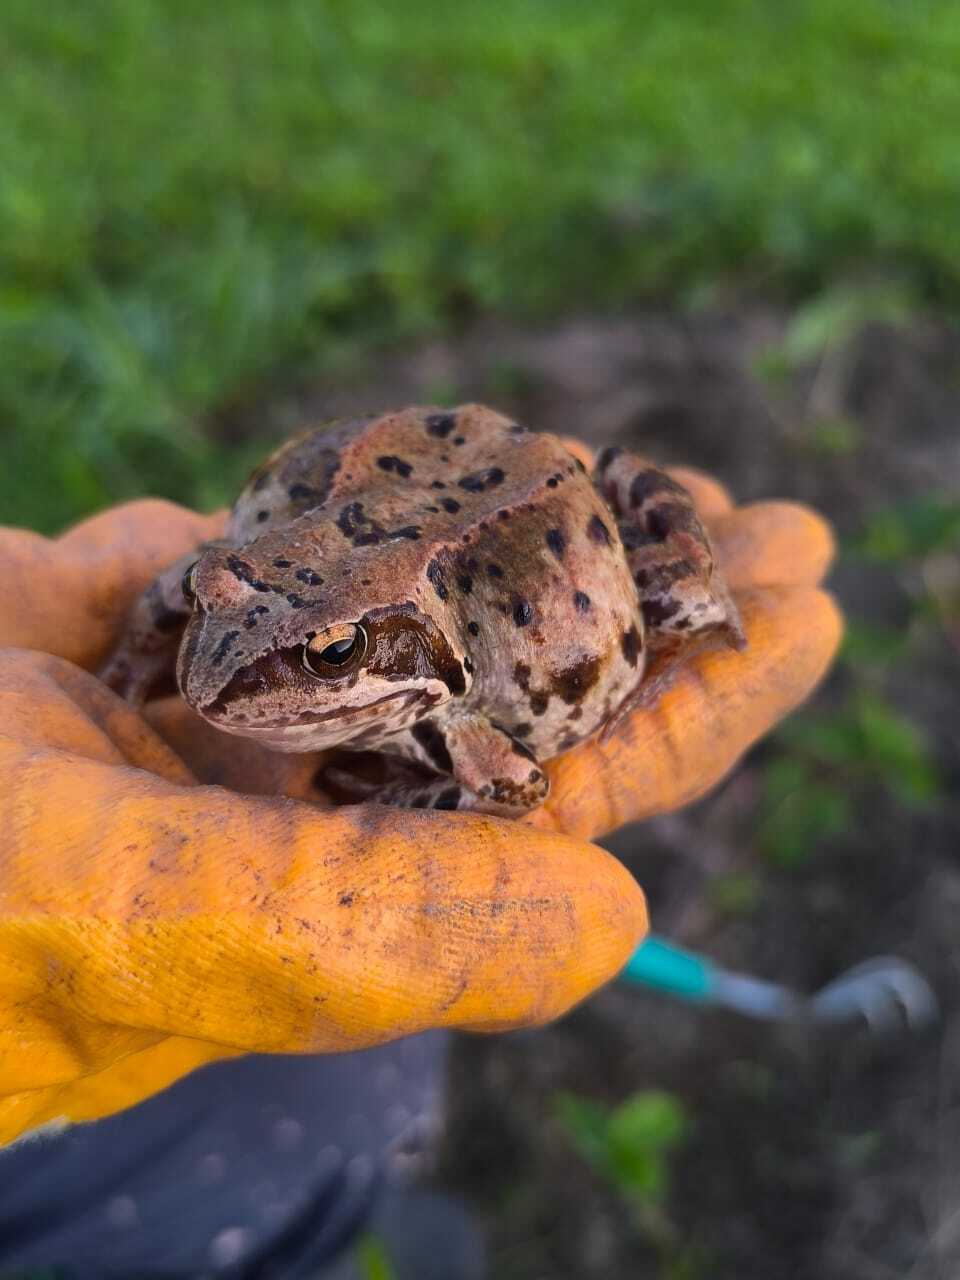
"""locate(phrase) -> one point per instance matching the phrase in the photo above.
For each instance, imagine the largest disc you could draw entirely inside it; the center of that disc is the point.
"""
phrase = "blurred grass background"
(200, 200)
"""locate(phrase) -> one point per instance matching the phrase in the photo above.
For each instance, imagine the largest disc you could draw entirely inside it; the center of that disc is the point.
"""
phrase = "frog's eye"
(188, 583)
(323, 657)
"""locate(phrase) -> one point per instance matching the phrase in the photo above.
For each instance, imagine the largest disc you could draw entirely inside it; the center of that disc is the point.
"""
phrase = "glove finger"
(72, 592)
(125, 1082)
(667, 755)
(769, 544)
(136, 909)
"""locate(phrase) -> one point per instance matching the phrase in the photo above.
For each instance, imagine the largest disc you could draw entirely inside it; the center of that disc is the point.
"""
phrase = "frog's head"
(301, 650)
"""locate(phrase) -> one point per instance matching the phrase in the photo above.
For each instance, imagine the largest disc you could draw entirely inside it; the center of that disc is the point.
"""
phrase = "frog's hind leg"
(683, 598)
(476, 764)
(148, 646)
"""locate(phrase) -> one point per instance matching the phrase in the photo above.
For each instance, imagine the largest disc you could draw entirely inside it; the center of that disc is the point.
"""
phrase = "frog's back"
(501, 528)
(463, 463)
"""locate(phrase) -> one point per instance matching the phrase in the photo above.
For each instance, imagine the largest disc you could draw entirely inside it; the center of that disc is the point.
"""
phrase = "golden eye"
(326, 658)
(188, 583)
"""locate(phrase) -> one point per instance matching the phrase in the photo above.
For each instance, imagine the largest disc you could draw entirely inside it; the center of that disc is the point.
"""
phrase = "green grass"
(199, 199)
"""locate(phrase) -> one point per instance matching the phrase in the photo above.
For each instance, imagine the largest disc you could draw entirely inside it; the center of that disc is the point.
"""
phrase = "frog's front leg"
(683, 598)
(147, 649)
(479, 766)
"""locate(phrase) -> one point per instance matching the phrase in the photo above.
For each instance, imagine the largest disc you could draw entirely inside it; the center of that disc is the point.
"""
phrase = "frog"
(441, 591)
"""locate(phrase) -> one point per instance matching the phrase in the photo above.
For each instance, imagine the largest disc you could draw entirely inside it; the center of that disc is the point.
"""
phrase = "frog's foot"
(683, 597)
(134, 676)
(473, 765)
(428, 793)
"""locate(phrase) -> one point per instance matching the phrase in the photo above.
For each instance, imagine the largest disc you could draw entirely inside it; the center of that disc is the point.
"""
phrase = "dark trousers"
(256, 1168)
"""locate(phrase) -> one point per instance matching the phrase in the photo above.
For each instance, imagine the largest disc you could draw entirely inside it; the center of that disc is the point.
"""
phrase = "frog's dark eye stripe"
(188, 583)
(325, 661)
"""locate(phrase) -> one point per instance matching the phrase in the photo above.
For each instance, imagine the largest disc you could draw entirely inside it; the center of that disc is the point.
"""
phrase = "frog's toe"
(131, 680)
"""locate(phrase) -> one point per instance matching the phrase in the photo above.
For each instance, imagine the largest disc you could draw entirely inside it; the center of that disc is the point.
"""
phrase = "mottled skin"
(492, 603)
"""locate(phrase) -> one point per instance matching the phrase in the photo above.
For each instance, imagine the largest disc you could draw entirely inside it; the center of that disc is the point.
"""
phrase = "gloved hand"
(168, 896)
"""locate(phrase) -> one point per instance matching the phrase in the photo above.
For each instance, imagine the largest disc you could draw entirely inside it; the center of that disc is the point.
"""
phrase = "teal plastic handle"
(659, 964)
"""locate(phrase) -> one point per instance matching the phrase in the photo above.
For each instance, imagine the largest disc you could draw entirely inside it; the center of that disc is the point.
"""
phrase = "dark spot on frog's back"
(350, 517)
(473, 628)
(556, 542)
(308, 576)
(465, 583)
(523, 613)
(440, 424)
(450, 504)
(390, 462)
(572, 683)
(631, 644)
(521, 676)
(282, 564)
(581, 601)
(435, 576)
(480, 481)
(598, 532)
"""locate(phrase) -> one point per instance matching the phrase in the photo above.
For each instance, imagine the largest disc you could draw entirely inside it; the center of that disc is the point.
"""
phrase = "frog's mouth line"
(307, 717)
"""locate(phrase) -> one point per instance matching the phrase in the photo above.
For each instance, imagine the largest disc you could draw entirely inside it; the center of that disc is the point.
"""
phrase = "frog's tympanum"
(441, 587)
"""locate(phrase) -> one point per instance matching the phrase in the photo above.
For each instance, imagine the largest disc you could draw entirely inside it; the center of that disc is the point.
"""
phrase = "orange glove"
(151, 921)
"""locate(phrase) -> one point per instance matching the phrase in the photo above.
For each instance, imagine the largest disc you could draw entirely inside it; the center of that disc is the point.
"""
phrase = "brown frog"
(443, 587)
